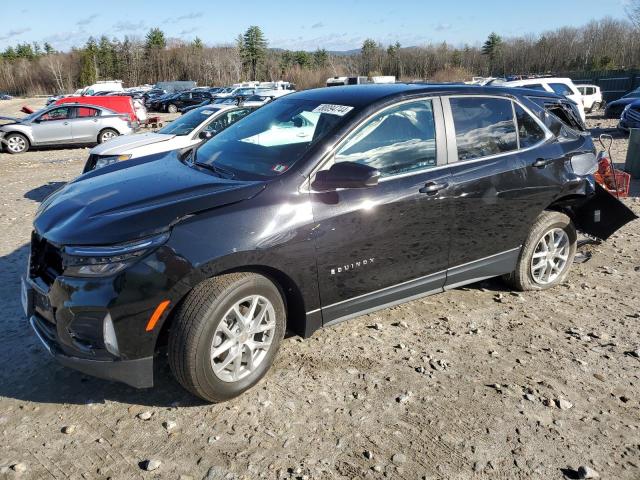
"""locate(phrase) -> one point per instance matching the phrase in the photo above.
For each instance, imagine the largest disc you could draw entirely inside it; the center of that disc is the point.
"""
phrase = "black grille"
(45, 261)
(634, 114)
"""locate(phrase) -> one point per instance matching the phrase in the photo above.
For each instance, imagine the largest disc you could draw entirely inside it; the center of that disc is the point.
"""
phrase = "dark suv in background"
(322, 206)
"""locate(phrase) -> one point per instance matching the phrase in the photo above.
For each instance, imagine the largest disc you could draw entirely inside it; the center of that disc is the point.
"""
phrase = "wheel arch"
(296, 322)
(26, 135)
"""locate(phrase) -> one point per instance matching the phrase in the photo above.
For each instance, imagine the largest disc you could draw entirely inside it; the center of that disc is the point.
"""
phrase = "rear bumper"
(137, 373)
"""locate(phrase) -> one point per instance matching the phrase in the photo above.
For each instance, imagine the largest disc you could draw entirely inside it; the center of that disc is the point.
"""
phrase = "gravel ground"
(478, 382)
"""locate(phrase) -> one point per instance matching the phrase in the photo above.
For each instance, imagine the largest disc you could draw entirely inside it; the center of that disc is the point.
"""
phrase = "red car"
(119, 104)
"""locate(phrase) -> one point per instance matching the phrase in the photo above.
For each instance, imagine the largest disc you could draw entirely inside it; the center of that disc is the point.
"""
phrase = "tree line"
(33, 69)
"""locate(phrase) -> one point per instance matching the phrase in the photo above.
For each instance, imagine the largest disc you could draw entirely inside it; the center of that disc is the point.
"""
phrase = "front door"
(53, 126)
(381, 245)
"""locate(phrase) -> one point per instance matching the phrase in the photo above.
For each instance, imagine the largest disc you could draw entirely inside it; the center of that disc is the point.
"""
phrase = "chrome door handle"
(66, 123)
(431, 188)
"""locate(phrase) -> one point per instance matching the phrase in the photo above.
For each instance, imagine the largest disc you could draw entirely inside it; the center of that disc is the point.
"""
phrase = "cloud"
(15, 33)
(317, 25)
(65, 40)
(126, 26)
(441, 27)
(188, 16)
(187, 31)
(89, 19)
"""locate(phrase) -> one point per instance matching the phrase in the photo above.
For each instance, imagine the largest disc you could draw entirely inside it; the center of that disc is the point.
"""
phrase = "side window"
(226, 120)
(484, 126)
(62, 113)
(529, 132)
(82, 112)
(398, 140)
(561, 89)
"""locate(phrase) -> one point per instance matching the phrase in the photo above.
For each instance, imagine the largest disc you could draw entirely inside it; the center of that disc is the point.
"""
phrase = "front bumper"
(137, 373)
(98, 325)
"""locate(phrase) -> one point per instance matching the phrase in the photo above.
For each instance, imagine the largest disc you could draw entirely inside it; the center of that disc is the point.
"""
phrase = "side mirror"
(206, 135)
(346, 175)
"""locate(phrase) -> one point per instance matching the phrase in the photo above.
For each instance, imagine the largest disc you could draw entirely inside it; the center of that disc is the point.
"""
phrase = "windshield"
(271, 140)
(188, 122)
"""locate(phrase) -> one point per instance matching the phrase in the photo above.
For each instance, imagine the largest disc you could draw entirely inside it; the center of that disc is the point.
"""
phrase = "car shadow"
(38, 194)
(31, 374)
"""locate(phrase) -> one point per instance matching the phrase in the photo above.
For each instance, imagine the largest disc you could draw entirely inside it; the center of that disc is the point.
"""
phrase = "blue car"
(630, 117)
(615, 109)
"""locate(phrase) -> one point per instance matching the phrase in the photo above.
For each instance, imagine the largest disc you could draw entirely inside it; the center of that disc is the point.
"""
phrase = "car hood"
(124, 203)
(125, 143)
(622, 102)
(9, 120)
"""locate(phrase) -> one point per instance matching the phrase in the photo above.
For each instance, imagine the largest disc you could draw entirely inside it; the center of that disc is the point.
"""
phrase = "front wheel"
(547, 255)
(172, 108)
(16, 143)
(225, 335)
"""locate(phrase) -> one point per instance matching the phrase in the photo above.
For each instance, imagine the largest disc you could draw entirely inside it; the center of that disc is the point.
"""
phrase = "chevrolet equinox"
(319, 207)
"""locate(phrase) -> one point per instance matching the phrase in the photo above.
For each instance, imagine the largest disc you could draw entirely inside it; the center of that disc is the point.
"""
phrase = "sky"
(299, 24)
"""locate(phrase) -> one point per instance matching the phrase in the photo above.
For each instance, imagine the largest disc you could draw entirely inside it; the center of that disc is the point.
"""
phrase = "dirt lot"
(474, 383)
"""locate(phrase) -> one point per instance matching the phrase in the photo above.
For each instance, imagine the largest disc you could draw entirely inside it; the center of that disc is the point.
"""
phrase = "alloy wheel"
(550, 256)
(243, 338)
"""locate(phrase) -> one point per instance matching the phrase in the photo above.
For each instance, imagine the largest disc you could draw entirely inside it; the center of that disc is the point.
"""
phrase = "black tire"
(107, 134)
(16, 139)
(194, 326)
(172, 108)
(522, 278)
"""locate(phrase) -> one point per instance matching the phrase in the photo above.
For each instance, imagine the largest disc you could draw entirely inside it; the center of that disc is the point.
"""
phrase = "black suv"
(181, 100)
(319, 207)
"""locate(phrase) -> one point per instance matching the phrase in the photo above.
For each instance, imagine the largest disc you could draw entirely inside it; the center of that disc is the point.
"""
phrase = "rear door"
(491, 142)
(53, 126)
(379, 245)
(85, 124)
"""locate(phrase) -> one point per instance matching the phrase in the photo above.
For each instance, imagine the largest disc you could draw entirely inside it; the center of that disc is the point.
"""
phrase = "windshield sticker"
(339, 110)
(279, 168)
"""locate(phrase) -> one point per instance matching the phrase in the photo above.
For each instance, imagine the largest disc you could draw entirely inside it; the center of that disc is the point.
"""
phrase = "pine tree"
(155, 40)
(197, 43)
(253, 50)
(320, 58)
(492, 48)
(48, 49)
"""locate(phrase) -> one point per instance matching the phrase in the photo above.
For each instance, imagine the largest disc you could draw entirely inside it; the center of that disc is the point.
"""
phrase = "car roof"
(362, 95)
(530, 81)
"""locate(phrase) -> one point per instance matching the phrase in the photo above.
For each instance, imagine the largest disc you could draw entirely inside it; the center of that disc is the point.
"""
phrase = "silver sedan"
(69, 124)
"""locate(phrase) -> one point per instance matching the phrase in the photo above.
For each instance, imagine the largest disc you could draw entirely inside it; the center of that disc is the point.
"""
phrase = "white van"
(103, 86)
(561, 86)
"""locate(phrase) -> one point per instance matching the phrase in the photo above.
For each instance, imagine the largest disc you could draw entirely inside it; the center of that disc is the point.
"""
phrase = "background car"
(186, 131)
(117, 103)
(559, 86)
(591, 97)
(614, 109)
(184, 99)
(630, 117)
(64, 125)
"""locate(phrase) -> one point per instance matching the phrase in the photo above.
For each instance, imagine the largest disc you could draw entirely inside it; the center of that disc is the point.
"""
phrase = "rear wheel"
(225, 335)
(172, 108)
(106, 135)
(547, 255)
(16, 143)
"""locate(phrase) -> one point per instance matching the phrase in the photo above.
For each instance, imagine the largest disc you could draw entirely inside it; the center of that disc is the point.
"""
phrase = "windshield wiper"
(221, 172)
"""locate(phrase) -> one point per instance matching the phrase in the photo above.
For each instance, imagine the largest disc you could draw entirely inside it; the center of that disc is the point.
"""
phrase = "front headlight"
(102, 261)
(104, 161)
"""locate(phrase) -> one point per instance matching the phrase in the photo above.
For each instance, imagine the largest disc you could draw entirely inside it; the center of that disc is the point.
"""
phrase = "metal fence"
(613, 83)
